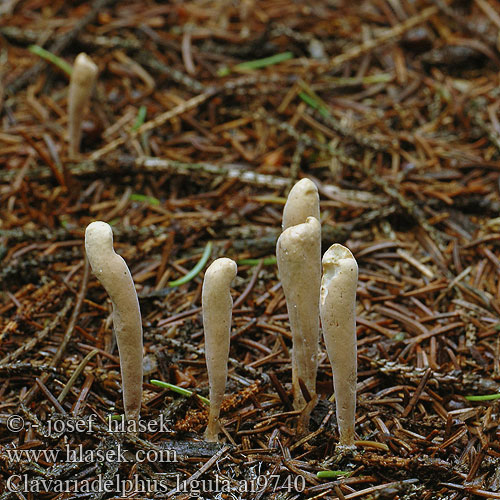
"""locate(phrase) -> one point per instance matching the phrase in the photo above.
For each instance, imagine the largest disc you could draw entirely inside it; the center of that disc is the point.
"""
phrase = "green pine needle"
(314, 103)
(177, 389)
(268, 261)
(141, 117)
(142, 197)
(485, 397)
(257, 63)
(327, 474)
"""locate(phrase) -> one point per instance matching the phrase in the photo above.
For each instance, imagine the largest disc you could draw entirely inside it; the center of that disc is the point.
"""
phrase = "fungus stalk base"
(213, 427)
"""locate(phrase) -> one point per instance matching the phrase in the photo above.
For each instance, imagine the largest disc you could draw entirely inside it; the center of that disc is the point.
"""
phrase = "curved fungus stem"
(114, 275)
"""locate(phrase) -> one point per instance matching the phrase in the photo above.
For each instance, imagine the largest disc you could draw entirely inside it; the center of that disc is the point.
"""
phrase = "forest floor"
(204, 114)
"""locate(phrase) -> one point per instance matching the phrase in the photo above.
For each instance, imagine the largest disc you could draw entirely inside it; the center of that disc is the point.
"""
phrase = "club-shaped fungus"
(302, 202)
(82, 82)
(338, 320)
(114, 275)
(217, 307)
(298, 253)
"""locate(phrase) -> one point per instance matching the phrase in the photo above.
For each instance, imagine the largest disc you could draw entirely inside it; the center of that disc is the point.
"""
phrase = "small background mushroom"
(82, 82)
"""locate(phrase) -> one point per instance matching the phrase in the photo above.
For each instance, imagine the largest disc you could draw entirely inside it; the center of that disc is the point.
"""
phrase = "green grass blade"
(257, 63)
(327, 474)
(141, 117)
(196, 269)
(177, 389)
(268, 261)
(315, 104)
(144, 198)
(262, 63)
(485, 397)
(52, 58)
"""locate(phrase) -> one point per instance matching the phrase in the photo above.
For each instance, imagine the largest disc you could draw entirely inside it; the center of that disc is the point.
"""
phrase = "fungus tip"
(85, 70)
(336, 260)
(302, 202)
(98, 234)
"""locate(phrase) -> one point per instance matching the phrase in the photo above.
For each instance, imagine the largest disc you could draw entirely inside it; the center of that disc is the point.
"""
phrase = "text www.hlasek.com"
(79, 455)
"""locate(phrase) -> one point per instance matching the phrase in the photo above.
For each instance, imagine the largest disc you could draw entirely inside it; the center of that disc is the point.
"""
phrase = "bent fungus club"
(114, 275)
